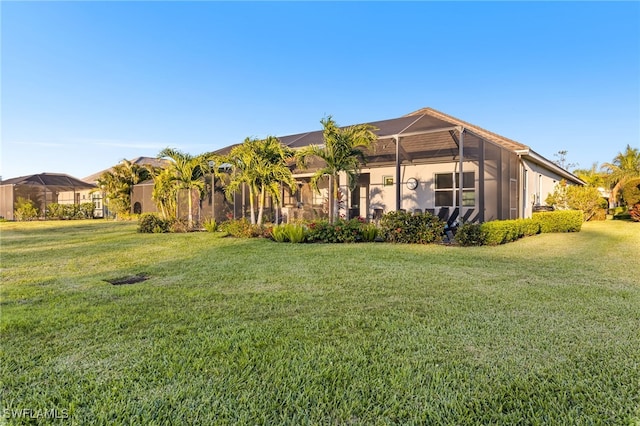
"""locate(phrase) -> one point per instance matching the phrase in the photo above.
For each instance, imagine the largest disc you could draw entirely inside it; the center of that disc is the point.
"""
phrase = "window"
(447, 193)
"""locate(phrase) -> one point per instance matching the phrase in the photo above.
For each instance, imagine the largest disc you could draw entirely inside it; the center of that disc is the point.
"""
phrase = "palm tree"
(343, 151)
(118, 182)
(187, 172)
(261, 165)
(625, 166)
(242, 160)
(164, 192)
(272, 170)
(592, 177)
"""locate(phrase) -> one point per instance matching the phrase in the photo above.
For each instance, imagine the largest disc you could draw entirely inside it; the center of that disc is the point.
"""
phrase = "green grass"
(545, 330)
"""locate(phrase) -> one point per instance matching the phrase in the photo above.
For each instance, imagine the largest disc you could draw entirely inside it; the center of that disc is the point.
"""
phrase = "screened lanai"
(430, 161)
(43, 189)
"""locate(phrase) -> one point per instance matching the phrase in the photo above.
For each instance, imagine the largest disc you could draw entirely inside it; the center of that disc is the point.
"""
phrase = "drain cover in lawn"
(129, 279)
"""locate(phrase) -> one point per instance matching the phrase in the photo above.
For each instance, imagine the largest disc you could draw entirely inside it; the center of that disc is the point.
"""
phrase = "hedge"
(505, 231)
(559, 220)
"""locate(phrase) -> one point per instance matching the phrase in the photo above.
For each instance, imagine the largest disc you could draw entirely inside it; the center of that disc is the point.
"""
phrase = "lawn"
(545, 330)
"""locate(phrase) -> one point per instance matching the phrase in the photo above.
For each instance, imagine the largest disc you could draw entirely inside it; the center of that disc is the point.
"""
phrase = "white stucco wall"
(537, 184)
(383, 196)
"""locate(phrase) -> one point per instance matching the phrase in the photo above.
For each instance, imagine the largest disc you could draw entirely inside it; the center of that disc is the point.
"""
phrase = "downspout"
(461, 176)
(397, 138)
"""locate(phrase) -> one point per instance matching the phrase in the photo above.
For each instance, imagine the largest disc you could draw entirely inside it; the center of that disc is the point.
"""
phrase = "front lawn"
(544, 330)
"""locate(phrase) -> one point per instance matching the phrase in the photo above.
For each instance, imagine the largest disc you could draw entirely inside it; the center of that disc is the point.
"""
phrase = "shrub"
(527, 227)
(631, 192)
(369, 232)
(559, 220)
(151, 223)
(295, 232)
(343, 231)
(25, 209)
(85, 211)
(179, 226)
(210, 225)
(403, 227)
(500, 231)
(279, 233)
(470, 234)
(291, 232)
(241, 228)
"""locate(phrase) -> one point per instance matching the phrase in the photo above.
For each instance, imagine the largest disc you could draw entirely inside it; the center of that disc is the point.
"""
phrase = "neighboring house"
(43, 189)
(419, 163)
(98, 196)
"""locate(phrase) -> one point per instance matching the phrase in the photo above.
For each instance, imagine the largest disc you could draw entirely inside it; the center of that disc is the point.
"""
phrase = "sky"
(87, 84)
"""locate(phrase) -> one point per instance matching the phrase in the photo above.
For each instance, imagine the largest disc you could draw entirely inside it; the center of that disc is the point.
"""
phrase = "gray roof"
(152, 161)
(426, 135)
(61, 182)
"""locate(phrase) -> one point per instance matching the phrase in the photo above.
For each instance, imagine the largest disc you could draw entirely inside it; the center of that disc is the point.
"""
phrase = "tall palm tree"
(272, 170)
(343, 151)
(164, 192)
(625, 166)
(242, 160)
(261, 165)
(187, 172)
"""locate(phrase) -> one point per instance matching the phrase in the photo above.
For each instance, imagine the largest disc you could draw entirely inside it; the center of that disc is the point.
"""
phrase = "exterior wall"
(381, 196)
(537, 183)
(141, 194)
(6, 202)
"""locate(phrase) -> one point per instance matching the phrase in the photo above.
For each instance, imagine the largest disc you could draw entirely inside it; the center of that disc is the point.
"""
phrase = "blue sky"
(86, 84)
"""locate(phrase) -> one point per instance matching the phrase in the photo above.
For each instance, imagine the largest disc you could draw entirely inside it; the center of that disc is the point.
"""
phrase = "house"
(425, 161)
(42, 189)
(98, 196)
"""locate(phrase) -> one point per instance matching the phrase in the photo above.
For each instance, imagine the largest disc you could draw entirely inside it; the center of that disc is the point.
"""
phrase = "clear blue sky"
(86, 84)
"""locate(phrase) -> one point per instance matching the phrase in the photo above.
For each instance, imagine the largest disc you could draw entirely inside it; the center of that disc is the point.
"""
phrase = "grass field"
(545, 330)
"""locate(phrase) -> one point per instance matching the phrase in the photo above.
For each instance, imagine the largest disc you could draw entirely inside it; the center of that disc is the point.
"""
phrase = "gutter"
(539, 159)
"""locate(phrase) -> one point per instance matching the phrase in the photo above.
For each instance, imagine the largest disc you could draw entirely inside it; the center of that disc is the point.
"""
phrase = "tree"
(592, 177)
(186, 172)
(625, 166)
(118, 182)
(562, 160)
(165, 192)
(343, 151)
(261, 165)
(577, 197)
(272, 170)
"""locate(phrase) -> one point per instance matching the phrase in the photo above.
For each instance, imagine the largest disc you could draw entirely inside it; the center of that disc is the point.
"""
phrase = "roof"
(59, 180)
(151, 161)
(427, 134)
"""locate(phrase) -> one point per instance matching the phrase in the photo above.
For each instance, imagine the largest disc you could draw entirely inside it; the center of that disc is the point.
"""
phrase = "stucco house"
(425, 161)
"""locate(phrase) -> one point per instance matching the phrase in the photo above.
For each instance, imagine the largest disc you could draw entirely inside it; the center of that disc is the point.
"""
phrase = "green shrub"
(369, 232)
(279, 233)
(25, 209)
(85, 211)
(152, 223)
(210, 225)
(241, 228)
(631, 192)
(403, 227)
(343, 231)
(500, 231)
(470, 234)
(295, 232)
(527, 227)
(559, 220)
